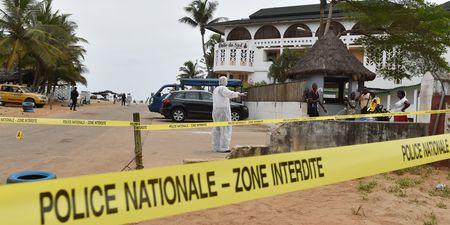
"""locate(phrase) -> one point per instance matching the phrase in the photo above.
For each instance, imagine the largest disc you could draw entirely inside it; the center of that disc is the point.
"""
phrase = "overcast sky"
(138, 45)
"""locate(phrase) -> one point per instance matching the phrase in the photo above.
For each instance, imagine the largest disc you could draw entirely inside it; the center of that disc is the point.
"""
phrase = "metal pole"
(137, 142)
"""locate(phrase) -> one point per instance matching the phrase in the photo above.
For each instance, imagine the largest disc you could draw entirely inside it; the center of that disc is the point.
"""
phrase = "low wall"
(269, 110)
(322, 134)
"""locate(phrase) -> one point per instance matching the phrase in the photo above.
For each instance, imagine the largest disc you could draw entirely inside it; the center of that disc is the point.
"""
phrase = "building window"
(251, 58)
(335, 26)
(334, 89)
(298, 30)
(243, 57)
(222, 57)
(267, 32)
(232, 57)
(270, 55)
(239, 33)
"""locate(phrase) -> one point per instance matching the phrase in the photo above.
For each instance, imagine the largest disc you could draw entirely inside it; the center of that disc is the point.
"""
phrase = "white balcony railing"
(240, 55)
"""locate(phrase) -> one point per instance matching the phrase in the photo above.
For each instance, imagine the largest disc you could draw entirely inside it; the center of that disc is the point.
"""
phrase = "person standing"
(221, 136)
(129, 99)
(401, 106)
(124, 99)
(375, 101)
(312, 98)
(73, 97)
(364, 100)
(114, 98)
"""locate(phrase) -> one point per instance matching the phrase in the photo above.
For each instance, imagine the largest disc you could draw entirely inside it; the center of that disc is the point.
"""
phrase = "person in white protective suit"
(221, 136)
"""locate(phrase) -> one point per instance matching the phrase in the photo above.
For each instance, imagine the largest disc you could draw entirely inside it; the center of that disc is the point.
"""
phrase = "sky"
(136, 46)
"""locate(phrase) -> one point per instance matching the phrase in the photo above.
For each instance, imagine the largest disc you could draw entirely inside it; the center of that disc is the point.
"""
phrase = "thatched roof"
(329, 56)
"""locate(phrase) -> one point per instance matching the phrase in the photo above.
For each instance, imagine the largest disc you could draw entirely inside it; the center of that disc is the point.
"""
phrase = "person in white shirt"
(221, 136)
(401, 106)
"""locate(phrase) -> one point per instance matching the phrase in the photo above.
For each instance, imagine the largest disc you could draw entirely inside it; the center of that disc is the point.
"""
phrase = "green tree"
(190, 70)
(208, 60)
(200, 14)
(282, 64)
(42, 40)
(70, 68)
(23, 38)
(403, 38)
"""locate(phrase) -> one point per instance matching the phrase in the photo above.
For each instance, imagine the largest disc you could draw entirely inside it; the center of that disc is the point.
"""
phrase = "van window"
(192, 96)
(206, 96)
(180, 95)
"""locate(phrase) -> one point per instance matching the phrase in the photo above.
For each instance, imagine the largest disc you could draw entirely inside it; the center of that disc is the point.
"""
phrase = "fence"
(285, 92)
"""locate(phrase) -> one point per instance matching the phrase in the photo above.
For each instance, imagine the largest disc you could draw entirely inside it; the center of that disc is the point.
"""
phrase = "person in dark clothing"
(124, 99)
(73, 97)
(312, 98)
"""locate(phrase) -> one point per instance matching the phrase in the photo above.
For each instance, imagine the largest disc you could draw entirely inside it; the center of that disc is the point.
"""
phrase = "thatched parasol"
(330, 57)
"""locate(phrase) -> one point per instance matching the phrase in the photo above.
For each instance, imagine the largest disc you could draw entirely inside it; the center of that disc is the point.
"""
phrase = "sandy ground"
(342, 204)
(74, 151)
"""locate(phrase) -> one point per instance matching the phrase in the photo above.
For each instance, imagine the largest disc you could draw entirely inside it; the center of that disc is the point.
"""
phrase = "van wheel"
(178, 115)
(235, 116)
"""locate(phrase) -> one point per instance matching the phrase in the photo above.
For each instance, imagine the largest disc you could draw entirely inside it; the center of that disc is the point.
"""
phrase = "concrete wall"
(270, 110)
(322, 134)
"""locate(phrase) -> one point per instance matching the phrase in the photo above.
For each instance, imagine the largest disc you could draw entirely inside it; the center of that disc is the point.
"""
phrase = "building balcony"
(241, 56)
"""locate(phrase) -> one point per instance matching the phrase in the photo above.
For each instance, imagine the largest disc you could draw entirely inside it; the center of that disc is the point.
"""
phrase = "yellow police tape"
(118, 198)
(174, 126)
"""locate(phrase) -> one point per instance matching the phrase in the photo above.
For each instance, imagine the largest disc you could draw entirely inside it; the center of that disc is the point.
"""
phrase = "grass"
(423, 171)
(402, 184)
(444, 193)
(397, 191)
(430, 219)
(441, 205)
(367, 187)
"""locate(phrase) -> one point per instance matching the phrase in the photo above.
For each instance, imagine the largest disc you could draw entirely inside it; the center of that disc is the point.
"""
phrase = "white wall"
(271, 110)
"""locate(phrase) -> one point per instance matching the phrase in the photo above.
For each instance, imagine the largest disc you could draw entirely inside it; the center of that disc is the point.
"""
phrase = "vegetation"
(406, 182)
(444, 193)
(414, 37)
(367, 187)
(430, 219)
(39, 39)
(281, 65)
(208, 60)
(200, 14)
(190, 70)
(441, 205)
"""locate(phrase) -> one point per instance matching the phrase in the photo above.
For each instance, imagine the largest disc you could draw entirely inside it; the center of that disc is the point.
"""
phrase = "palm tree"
(23, 37)
(282, 64)
(190, 70)
(208, 60)
(70, 68)
(201, 13)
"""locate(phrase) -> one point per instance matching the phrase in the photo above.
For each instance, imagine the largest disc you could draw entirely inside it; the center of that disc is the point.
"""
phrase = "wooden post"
(137, 142)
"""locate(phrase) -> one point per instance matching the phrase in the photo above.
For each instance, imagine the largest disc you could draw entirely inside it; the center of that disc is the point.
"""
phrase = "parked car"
(155, 102)
(11, 93)
(196, 104)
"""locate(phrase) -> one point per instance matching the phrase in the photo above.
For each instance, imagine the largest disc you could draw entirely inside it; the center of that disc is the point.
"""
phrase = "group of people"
(367, 102)
(124, 99)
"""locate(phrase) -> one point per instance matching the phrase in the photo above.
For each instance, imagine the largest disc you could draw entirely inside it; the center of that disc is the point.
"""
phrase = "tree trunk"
(320, 33)
(19, 69)
(202, 32)
(330, 15)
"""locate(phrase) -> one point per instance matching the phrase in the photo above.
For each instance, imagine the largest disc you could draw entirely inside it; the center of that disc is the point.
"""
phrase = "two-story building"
(251, 43)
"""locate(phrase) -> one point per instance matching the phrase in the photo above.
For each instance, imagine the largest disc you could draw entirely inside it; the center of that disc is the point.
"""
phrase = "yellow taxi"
(10, 93)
